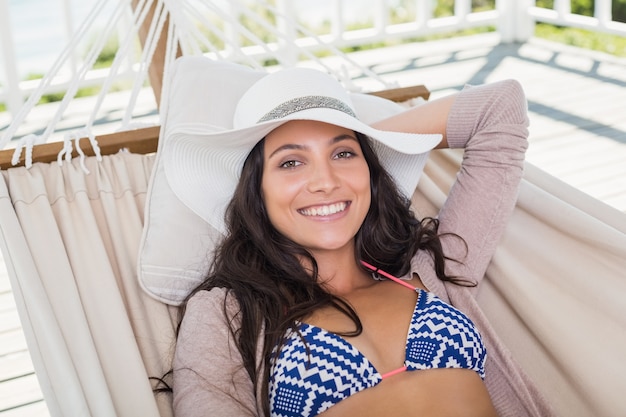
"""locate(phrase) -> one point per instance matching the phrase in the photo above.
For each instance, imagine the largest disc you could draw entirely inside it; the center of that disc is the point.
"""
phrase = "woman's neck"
(340, 273)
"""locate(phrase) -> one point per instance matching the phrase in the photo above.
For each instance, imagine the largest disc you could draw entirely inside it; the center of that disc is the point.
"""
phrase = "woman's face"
(316, 184)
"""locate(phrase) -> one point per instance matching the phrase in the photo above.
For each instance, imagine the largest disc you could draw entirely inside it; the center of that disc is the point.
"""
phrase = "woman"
(302, 313)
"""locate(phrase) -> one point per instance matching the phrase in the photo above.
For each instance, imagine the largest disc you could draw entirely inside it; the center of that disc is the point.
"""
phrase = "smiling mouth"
(324, 210)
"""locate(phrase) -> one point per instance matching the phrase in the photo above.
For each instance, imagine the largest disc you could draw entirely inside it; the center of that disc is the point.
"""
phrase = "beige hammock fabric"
(70, 244)
(555, 289)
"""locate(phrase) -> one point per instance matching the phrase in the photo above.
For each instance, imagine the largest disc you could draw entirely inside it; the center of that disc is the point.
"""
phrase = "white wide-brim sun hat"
(203, 163)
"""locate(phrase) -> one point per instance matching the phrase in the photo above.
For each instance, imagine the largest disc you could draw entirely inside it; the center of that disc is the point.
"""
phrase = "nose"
(323, 178)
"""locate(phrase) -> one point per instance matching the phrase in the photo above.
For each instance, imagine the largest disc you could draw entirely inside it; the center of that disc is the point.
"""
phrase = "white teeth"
(324, 210)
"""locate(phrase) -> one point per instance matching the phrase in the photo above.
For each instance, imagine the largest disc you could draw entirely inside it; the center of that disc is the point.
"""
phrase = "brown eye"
(344, 154)
(290, 164)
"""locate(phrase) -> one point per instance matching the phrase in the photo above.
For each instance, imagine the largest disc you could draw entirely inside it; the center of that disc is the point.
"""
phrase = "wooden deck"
(577, 104)
(576, 99)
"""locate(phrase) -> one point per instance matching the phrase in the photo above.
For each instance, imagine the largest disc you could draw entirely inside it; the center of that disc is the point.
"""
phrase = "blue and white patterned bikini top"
(316, 369)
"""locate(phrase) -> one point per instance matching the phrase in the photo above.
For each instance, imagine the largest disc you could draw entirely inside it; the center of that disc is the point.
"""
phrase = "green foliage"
(46, 98)
(480, 5)
(257, 29)
(546, 4)
(581, 38)
(270, 62)
(619, 10)
(364, 47)
(82, 92)
(586, 7)
(583, 7)
(53, 97)
(404, 12)
(446, 7)
(107, 55)
(210, 33)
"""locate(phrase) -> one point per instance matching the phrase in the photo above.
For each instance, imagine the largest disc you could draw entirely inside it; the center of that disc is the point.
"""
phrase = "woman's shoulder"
(204, 296)
(214, 302)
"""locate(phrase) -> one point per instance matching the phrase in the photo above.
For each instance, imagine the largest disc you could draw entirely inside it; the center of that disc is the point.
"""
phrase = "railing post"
(381, 19)
(461, 9)
(69, 32)
(424, 12)
(14, 98)
(563, 7)
(285, 22)
(232, 39)
(602, 12)
(337, 23)
(515, 23)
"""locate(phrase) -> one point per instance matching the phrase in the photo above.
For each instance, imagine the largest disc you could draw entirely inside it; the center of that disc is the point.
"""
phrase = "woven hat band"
(304, 103)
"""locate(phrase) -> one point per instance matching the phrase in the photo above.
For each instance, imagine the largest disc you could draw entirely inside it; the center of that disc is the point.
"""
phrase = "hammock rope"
(139, 16)
(190, 30)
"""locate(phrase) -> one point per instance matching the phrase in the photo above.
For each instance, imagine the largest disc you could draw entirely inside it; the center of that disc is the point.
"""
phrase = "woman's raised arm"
(430, 117)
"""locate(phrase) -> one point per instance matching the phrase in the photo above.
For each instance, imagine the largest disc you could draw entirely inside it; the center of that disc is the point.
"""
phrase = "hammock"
(99, 250)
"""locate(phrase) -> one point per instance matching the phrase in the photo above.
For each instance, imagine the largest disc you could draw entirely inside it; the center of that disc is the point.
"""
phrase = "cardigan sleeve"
(209, 377)
(490, 121)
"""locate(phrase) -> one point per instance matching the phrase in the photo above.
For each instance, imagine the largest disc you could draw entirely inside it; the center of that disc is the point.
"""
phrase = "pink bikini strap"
(394, 372)
(386, 275)
(399, 281)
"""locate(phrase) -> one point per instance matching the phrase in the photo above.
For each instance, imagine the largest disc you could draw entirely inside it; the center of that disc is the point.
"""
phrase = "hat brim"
(203, 164)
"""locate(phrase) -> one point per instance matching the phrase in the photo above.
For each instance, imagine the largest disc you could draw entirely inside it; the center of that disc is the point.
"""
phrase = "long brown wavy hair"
(263, 269)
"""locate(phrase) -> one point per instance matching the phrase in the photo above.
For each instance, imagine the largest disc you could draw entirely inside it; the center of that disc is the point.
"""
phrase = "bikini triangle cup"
(315, 369)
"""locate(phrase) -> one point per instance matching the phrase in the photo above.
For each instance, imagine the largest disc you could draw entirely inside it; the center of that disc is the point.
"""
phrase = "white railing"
(561, 15)
(514, 20)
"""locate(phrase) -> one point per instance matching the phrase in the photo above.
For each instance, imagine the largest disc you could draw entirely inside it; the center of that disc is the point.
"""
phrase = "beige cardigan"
(490, 122)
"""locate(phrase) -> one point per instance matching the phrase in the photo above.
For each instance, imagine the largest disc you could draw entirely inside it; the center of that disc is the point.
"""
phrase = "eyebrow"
(291, 146)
